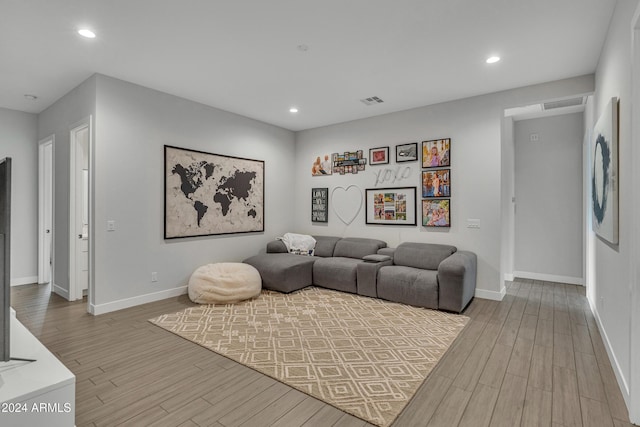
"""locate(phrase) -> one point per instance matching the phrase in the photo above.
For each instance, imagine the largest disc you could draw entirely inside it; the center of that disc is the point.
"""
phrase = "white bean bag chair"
(224, 283)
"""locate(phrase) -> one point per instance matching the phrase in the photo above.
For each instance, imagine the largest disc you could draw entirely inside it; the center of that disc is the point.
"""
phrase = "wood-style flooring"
(534, 359)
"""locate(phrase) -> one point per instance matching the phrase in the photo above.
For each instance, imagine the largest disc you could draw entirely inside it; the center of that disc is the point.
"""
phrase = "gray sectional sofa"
(419, 274)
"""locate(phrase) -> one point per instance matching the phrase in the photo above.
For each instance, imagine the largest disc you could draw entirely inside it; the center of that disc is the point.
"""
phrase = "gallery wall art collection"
(395, 205)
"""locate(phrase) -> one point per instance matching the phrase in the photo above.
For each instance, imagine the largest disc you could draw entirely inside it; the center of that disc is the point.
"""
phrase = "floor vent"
(372, 101)
(563, 103)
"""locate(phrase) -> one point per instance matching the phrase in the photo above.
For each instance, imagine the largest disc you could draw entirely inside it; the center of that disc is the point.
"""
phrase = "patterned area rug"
(362, 355)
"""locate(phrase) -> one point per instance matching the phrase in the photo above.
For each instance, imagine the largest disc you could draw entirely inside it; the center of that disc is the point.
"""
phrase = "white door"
(45, 242)
(79, 212)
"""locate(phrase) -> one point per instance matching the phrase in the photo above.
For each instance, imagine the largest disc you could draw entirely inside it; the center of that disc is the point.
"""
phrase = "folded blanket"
(299, 244)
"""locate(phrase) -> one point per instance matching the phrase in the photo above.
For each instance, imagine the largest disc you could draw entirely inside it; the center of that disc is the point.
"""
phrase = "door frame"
(86, 123)
(42, 261)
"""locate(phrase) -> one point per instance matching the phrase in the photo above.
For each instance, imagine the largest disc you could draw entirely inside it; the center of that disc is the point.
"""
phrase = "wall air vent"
(563, 103)
(372, 101)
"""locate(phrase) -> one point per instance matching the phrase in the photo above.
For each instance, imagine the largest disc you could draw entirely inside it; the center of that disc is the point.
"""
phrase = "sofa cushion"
(283, 272)
(427, 256)
(325, 245)
(408, 285)
(337, 273)
(355, 247)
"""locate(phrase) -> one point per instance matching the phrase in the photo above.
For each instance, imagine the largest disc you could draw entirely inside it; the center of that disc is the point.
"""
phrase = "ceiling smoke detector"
(372, 101)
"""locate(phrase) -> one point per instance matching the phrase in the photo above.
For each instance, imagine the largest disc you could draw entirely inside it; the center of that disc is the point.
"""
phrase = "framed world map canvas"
(207, 194)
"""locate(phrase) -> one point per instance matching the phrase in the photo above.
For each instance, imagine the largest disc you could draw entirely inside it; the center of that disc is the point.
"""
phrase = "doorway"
(45, 210)
(79, 225)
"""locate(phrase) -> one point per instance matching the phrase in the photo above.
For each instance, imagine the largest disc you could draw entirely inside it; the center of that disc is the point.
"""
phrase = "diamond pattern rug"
(364, 356)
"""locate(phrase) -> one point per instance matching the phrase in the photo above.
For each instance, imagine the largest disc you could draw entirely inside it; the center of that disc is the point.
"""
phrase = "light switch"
(473, 223)
(111, 225)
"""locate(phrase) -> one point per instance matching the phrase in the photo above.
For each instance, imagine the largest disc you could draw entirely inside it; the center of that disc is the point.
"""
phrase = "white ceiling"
(242, 55)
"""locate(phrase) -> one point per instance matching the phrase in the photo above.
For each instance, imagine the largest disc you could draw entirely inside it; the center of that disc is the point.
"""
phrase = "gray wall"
(58, 120)
(477, 170)
(132, 125)
(18, 140)
(610, 290)
(549, 203)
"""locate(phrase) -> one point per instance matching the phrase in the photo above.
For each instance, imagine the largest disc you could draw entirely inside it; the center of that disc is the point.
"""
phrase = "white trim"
(617, 370)
(509, 277)
(60, 291)
(19, 281)
(42, 262)
(492, 295)
(550, 277)
(633, 402)
(135, 301)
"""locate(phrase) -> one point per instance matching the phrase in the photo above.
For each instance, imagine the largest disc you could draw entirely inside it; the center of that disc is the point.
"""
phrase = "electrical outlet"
(111, 225)
(154, 276)
(534, 137)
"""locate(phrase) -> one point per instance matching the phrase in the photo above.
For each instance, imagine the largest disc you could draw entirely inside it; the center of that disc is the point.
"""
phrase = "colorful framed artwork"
(436, 213)
(391, 206)
(604, 174)
(436, 183)
(319, 205)
(407, 152)
(436, 153)
(322, 166)
(348, 162)
(207, 194)
(379, 156)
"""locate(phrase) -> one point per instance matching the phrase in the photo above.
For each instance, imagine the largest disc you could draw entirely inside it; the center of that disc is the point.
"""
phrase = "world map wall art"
(604, 174)
(207, 194)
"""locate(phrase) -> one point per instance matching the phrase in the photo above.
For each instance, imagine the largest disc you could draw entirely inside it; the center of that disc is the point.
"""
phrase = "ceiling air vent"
(372, 101)
(563, 103)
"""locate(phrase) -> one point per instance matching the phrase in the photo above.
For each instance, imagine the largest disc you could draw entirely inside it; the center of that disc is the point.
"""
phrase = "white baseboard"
(492, 295)
(64, 293)
(98, 309)
(508, 277)
(549, 277)
(622, 384)
(18, 281)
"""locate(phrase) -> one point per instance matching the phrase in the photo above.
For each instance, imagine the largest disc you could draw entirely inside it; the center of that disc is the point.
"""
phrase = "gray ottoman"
(283, 272)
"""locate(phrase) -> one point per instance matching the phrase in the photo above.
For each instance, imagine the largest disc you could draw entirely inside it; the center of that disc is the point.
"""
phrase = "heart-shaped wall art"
(346, 202)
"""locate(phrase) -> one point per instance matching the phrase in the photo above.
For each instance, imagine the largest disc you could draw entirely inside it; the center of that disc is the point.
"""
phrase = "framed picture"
(319, 205)
(436, 153)
(379, 156)
(207, 194)
(391, 206)
(407, 152)
(322, 166)
(348, 162)
(436, 213)
(604, 174)
(436, 183)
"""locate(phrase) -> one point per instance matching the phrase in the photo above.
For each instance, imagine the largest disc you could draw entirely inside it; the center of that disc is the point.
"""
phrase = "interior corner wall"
(612, 283)
(474, 126)
(612, 293)
(132, 126)
(58, 120)
(18, 140)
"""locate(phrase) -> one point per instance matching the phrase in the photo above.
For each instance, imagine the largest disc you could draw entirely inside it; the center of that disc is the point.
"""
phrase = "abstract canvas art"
(604, 174)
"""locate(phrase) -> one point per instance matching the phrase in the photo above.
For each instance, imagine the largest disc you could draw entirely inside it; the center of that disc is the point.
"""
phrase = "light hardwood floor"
(534, 359)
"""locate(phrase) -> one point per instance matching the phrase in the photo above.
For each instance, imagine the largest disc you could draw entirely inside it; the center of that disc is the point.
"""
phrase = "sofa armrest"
(457, 281)
(367, 275)
(276, 247)
(387, 251)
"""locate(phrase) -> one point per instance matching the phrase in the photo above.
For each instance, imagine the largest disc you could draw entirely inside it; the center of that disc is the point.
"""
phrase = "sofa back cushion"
(427, 256)
(354, 247)
(325, 245)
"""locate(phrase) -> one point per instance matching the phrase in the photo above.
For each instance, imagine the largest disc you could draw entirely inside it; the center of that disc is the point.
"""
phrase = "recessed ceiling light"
(30, 97)
(293, 110)
(493, 59)
(87, 33)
